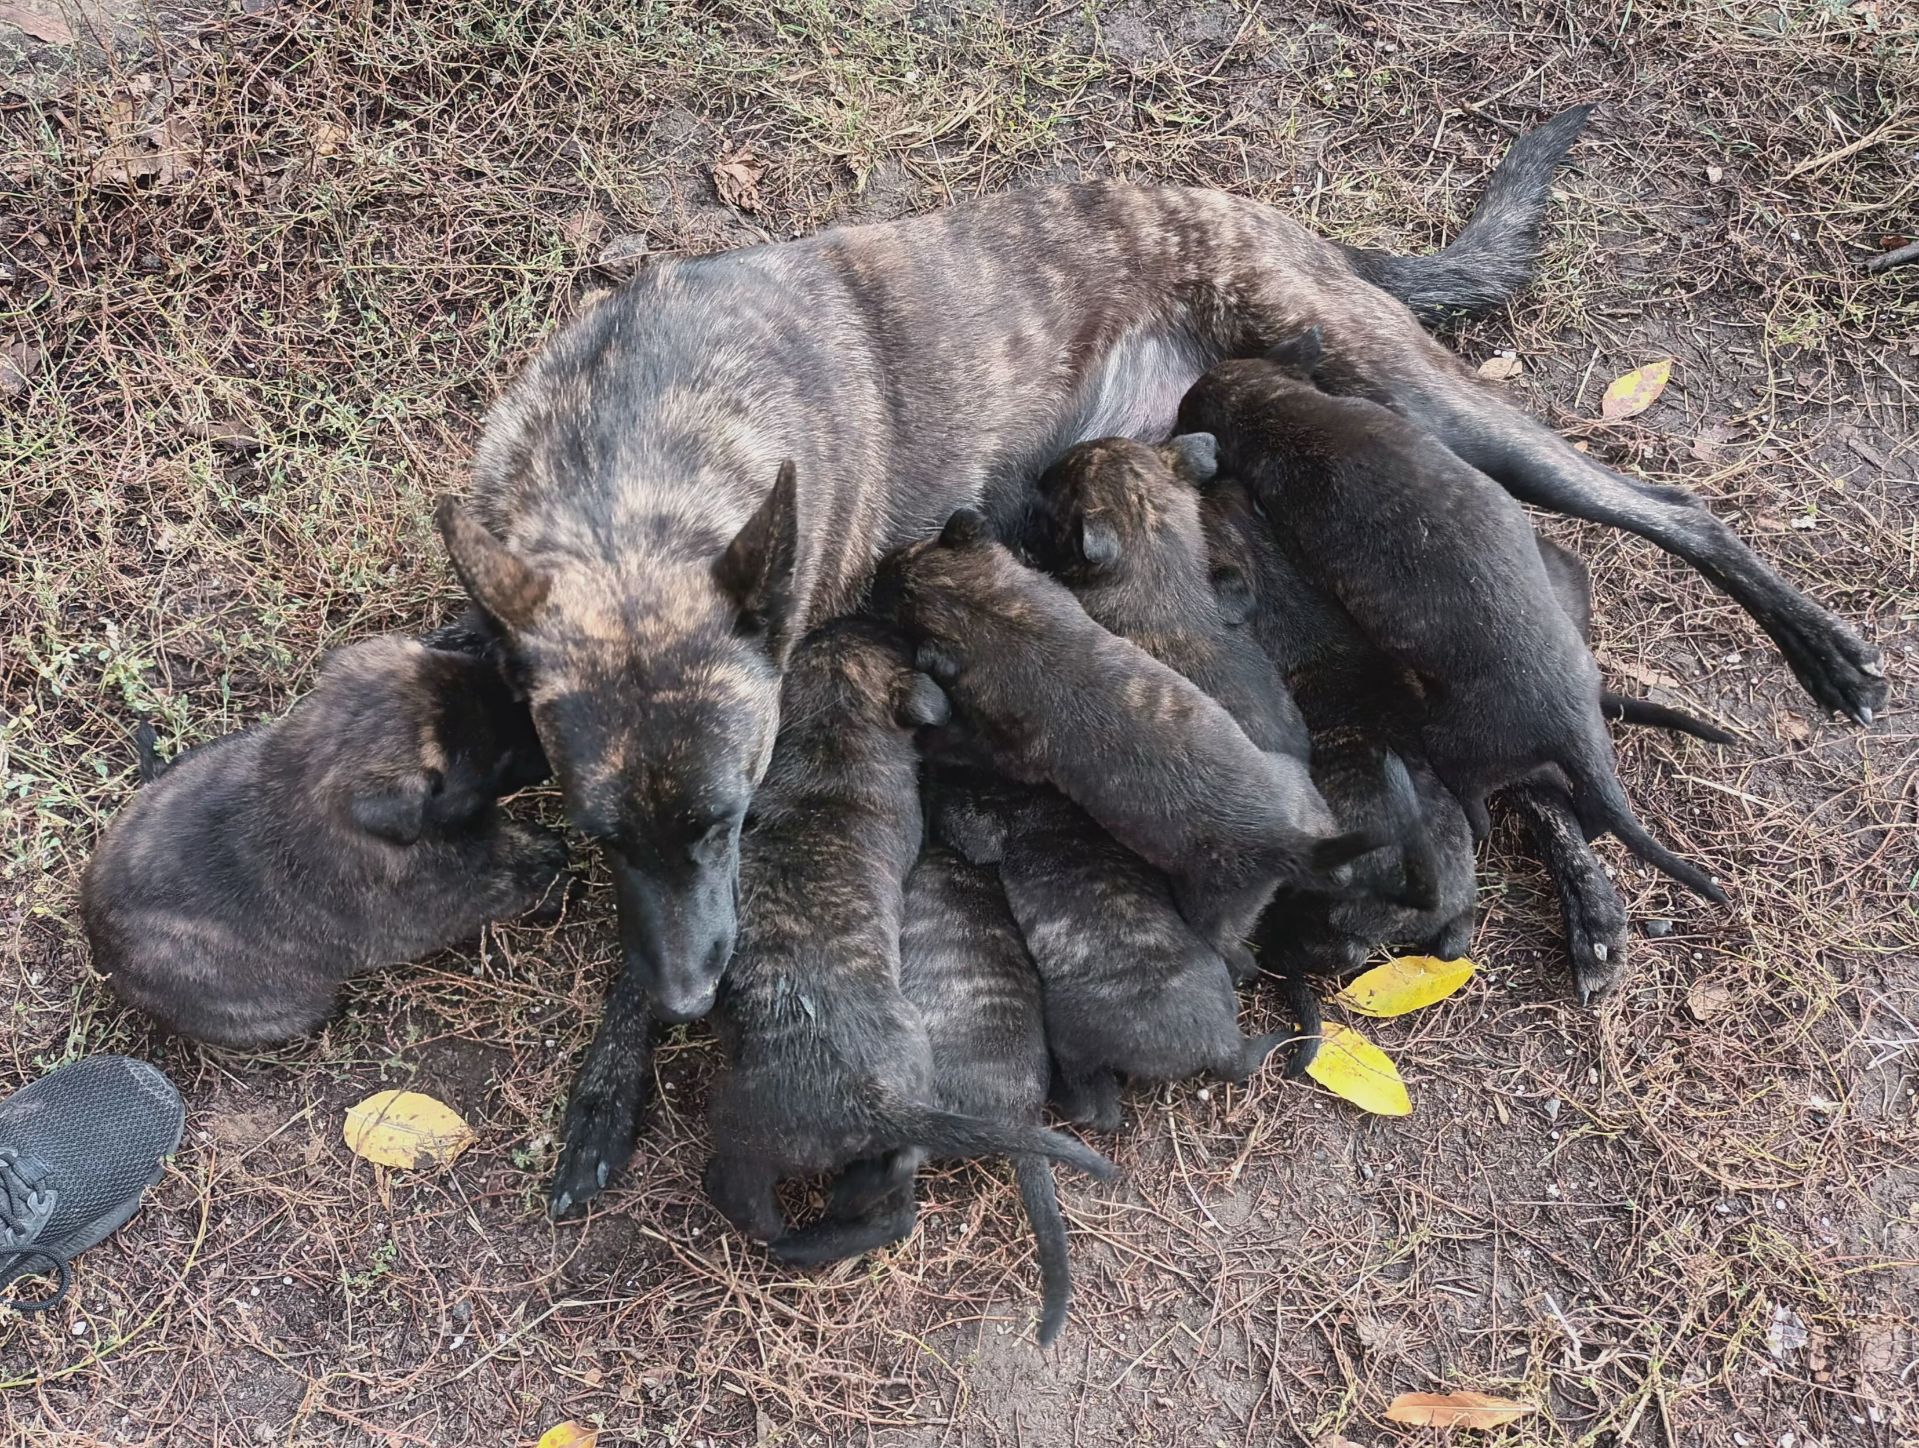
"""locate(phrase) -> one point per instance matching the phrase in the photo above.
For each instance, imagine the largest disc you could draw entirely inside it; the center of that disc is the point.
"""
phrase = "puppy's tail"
(1035, 1177)
(146, 744)
(1420, 887)
(1658, 716)
(1601, 805)
(1492, 258)
(947, 1133)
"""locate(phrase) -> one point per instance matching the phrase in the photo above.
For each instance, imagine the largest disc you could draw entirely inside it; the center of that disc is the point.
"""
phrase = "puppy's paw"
(1834, 665)
(1239, 961)
(1595, 939)
(597, 1140)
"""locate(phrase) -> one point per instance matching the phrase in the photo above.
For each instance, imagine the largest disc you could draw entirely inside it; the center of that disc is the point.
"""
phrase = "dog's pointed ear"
(1235, 594)
(965, 528)
(510, 591)
(1098, 542)
(920, 702)
(758, 568)
(395, 812)
(1193, 457)
(1302, 354)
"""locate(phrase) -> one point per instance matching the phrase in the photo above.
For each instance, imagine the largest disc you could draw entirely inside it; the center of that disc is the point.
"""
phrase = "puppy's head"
(405, 742)
(934, 589)
(1221, 401)
(655, 692)
(1240, 549)
(857, 674)
(1106, 503)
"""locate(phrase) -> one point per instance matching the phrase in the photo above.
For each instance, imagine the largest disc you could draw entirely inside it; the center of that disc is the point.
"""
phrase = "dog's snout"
(677, 934)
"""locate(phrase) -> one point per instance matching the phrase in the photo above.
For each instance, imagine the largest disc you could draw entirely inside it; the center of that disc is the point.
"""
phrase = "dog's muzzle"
(677, 935)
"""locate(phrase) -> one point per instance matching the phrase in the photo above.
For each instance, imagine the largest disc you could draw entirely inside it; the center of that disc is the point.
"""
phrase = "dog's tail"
(1036, 1190)
(1601, 804)
(1658, 716)
(1492, 259)
(948, 1133)
(146, 744)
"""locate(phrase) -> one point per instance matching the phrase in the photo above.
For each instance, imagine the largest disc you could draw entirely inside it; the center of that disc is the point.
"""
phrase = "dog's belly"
(1136, 388)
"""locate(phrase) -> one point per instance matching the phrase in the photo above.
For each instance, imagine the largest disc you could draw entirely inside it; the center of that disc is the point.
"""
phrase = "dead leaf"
(162, 154)
(1708, 1000)
(737, 179)
(1455, 1410)
(624, 253)
(570, 1434)
(221, 434)
(1350, 1066)
(1715, 174)
(1636, 391)
(38, 18)
(18, 362)
(1712, 437)
(1643, 674)
(1502, 368)
(329, 137)
(583, 227)
(1405, 983)
(405, 1129)
(1793, 727)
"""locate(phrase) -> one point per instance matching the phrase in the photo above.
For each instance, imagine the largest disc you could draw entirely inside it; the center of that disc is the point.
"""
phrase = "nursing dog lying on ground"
(259, 871)
(828, 1062)
(626, 542)
(964, 967)
(1129, 988)
(1440, 570)
(1048, 696)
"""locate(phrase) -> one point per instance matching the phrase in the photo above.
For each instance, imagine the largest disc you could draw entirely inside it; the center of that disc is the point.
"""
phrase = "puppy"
(237, 891)
(1129, 988)
(1435, 564)
(966, 970)
(828, 1062)
(1052, 697)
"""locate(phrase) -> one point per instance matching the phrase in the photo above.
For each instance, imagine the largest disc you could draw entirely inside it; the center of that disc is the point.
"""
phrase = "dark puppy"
(1413, 543)
(233, 895)
(1366, 714)
(966, 970)
(1054, 698)
(1129, 987)
(828, 1062)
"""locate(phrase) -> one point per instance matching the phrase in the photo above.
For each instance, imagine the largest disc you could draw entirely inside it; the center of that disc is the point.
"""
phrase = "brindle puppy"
(1439, 568)
(828, 1062)
(232, 897)
(1053, 698)
(1130, 989)
(966, 970)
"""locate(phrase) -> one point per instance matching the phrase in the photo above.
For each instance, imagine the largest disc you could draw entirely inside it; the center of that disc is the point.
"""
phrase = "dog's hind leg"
(603, 1109)
(1595, 916)
(1090, 1099)
(742, 1188)
(890, 1220)
(1837, 667)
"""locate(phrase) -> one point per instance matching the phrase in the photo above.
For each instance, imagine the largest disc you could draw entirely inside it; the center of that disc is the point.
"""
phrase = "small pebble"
(1552, 1108)
(79, 1328)
(1659, 929)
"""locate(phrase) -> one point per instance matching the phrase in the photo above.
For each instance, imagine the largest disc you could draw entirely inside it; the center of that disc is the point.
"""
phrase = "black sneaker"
(78, 1150)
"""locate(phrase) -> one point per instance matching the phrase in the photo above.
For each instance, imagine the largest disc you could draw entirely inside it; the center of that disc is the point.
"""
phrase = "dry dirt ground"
(262, 273)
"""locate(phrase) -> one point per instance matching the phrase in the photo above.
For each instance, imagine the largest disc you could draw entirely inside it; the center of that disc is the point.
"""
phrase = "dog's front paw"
(1834, 665)
(597, 1140)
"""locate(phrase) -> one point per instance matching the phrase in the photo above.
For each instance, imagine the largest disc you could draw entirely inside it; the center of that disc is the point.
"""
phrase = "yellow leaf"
(1636, 391)
(1455, 1410)
(1351, 1066)
(1501, 368)
(570, 1434)
(404, 1128)
(1404, 984)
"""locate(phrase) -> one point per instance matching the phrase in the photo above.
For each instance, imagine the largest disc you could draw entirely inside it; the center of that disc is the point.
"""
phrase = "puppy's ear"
(395, 812)
(966, 528)
(510, 591)
(1329, 855)
(1234, 593)
(920, 702)
(757, 570)
(1301, 354)
(1098, 542)
(1193, 457)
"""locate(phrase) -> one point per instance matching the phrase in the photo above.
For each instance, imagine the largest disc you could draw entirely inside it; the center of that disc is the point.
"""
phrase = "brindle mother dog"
(625, 540)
